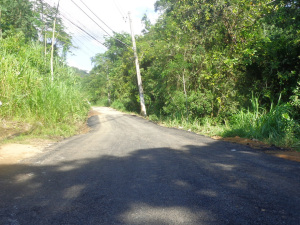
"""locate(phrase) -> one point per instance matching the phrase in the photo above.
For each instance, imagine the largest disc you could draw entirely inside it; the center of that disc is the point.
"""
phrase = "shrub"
(28, 93)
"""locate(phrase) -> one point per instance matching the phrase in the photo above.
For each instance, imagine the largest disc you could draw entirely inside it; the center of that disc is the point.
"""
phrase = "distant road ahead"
(130, 171)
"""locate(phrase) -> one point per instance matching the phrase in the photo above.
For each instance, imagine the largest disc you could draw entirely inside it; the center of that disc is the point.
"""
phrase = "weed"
(28, 93)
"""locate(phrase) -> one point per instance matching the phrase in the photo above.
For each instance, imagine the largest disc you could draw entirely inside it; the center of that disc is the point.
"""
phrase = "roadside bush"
(102, 102)
(276, 126)
(28, 93)
(118, 105)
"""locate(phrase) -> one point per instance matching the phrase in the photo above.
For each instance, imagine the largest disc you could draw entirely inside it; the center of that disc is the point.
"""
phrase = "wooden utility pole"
(53, 39)
(138, 73)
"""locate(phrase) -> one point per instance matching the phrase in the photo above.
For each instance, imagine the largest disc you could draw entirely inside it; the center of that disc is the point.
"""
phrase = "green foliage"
(102, 102)
(153, 118)
(113, 76)
(204, 60)
(276, 126)
(35, 20)
(28, 94)
(295, 100)
(18, 16)
(118, 105)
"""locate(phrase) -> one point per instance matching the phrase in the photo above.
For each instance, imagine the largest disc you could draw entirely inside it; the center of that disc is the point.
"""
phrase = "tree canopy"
(35, 20)
(207, 58)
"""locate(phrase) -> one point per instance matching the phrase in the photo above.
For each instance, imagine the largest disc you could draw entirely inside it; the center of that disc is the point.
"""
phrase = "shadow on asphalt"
(94, 122)
(197, 186)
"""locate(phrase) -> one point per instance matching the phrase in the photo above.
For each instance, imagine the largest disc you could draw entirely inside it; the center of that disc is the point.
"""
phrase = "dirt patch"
(269, 149)
(294, 156)
(14, 153)
(11, 129)
(84, 128)
(93, 113)
(253, 143)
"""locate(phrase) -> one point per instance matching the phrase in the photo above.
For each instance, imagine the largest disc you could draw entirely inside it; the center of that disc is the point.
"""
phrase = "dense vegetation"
(233, 63)
(27, 92)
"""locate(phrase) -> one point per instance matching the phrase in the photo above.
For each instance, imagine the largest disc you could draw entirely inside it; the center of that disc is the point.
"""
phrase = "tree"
(207, 58)
(34, 19)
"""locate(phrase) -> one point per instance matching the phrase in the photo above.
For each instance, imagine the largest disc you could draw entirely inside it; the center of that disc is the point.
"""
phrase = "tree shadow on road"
(195, 185)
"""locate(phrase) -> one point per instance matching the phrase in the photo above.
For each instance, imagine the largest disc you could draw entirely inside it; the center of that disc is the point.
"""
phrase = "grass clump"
(28, 93)
(275, 126)
(118, 105)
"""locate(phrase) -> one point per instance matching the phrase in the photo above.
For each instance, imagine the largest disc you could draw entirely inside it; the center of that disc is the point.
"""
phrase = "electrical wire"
(66, 14)
(97, 16)
(84, 31)
(87, 36)
(82, 34)
(95, 22)
(82, 38)
(98, 24)
(90, 17)
(81, 43)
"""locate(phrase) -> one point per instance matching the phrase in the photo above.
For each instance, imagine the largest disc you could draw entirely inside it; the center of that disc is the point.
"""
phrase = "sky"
(114, 13)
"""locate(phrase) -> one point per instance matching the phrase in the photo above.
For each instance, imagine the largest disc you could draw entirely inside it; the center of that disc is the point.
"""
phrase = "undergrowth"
(28, 94)
(275, 126)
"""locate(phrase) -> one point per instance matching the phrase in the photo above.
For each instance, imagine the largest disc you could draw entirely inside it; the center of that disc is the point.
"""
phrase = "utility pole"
(53, 38)
(138, 73)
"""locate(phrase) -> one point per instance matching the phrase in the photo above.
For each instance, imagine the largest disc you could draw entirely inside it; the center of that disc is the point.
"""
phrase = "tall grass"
(28, 93)
(275, 126)
(206, 126)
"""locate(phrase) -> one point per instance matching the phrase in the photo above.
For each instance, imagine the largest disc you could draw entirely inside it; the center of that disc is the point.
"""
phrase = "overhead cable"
(66, 14)
(97, 23)
(84, 31)
(97, 16)
(77, 24)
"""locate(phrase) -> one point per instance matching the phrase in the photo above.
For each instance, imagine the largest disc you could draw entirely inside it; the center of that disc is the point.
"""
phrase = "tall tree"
(34, 19)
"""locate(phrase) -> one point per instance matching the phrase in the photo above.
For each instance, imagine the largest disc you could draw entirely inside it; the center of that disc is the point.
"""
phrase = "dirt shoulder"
(12, 153)
(261, 146)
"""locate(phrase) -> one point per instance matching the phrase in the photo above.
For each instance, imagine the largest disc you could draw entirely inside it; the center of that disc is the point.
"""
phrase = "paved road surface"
(130, 171)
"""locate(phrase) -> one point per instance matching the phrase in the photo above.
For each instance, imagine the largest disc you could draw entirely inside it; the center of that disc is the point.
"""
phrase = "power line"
(84, 31)
(82, 43)
(86, 52)
(90, 17)
(98, 24)
(83, 34)
(94, 22)
(97, 16)
(66, 14)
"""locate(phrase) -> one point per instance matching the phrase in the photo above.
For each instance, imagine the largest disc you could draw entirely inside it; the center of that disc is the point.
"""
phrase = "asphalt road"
(128, 170)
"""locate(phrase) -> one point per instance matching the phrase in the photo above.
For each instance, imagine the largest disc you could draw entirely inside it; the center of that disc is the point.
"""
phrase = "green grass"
(28, 94)
(205, 126)
(276, 126)
(118, 105)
